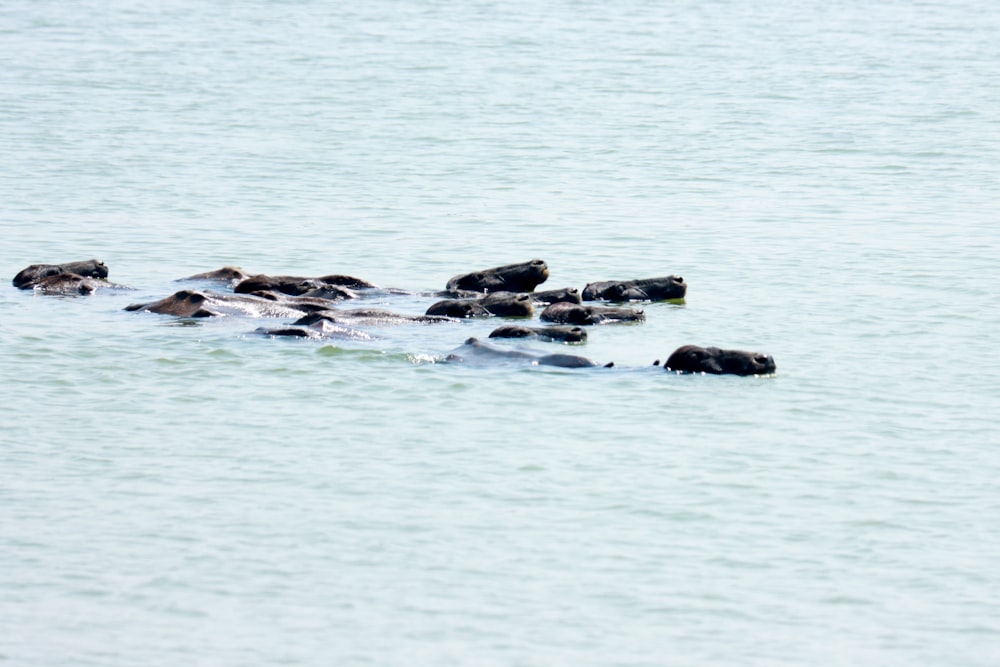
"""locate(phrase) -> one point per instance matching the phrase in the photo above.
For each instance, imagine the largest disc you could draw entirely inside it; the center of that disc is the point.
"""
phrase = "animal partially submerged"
(336, 287)
(523, 277)
(716, 361)
(83, 277)
(318, 329)
(558, 334)
(372, 317)
(193, 303)
(567, 294)
(90, 268)
(475, 350)
(227, 274)
(646, 289)
(502, 304)
(502, 291)
(573, 313)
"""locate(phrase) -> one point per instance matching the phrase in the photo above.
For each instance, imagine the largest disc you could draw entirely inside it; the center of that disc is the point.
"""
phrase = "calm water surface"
(824, 176)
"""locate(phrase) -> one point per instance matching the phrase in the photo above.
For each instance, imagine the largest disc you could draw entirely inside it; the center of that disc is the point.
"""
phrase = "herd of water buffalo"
(503, 291)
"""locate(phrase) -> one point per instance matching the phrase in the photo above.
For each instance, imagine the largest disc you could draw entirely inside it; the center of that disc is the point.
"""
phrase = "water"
(824, 177)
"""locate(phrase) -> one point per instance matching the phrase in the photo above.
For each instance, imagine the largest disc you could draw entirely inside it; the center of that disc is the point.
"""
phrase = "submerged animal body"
(227, 274)
(305, 303)
(327, 287)
(646, 289)
(372, 317)
(459, 308)
(67, 284)
(567, 294)
(572, 313)
(509, 304)
(716, 361)
(319, 329)
(72, 278)
(34, 275)
(523, 277)
(192, 303)
(502, 304)
(557, 334)
(475, 350)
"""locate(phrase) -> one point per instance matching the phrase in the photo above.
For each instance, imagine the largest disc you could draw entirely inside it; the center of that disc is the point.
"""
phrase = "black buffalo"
(191, 303)
(559, 334)
(475, 350)
(31, 276)
(647, 289)
(523, 277)
(371, 317)
(502, 304)
(572, 313)
(229, 274)
(567, 294)
(334, 287)
(694, 359)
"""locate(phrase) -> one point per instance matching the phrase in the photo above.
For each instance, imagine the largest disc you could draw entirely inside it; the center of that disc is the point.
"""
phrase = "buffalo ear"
(711, 365)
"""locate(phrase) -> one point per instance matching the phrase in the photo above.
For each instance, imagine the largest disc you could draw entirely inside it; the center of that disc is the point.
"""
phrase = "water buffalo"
(372, 317)
(460, 308)
(340, 287)
(319, 329)
(694, 359)
(509, 304)
(648, 289)
(502, 304)
(67, 284)
(567, 294)
(191, 303)
(475, 350)
(27, 278)
(572, 313)
(305, 303)
(558, 334)
(523, 277)
(227, 274)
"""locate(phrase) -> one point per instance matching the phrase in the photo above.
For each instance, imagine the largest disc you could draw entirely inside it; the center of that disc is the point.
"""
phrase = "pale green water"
(824, 176)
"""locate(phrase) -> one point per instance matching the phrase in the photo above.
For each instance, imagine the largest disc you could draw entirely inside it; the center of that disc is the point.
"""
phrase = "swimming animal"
(340, 286)
(558, 334)
(503, 304)
(227, 274)
(475, 350)
(572, 313)
(72, 278)
(567, 294)
(646, 289)
(716, 361)
(523, 277)
(193, 303)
